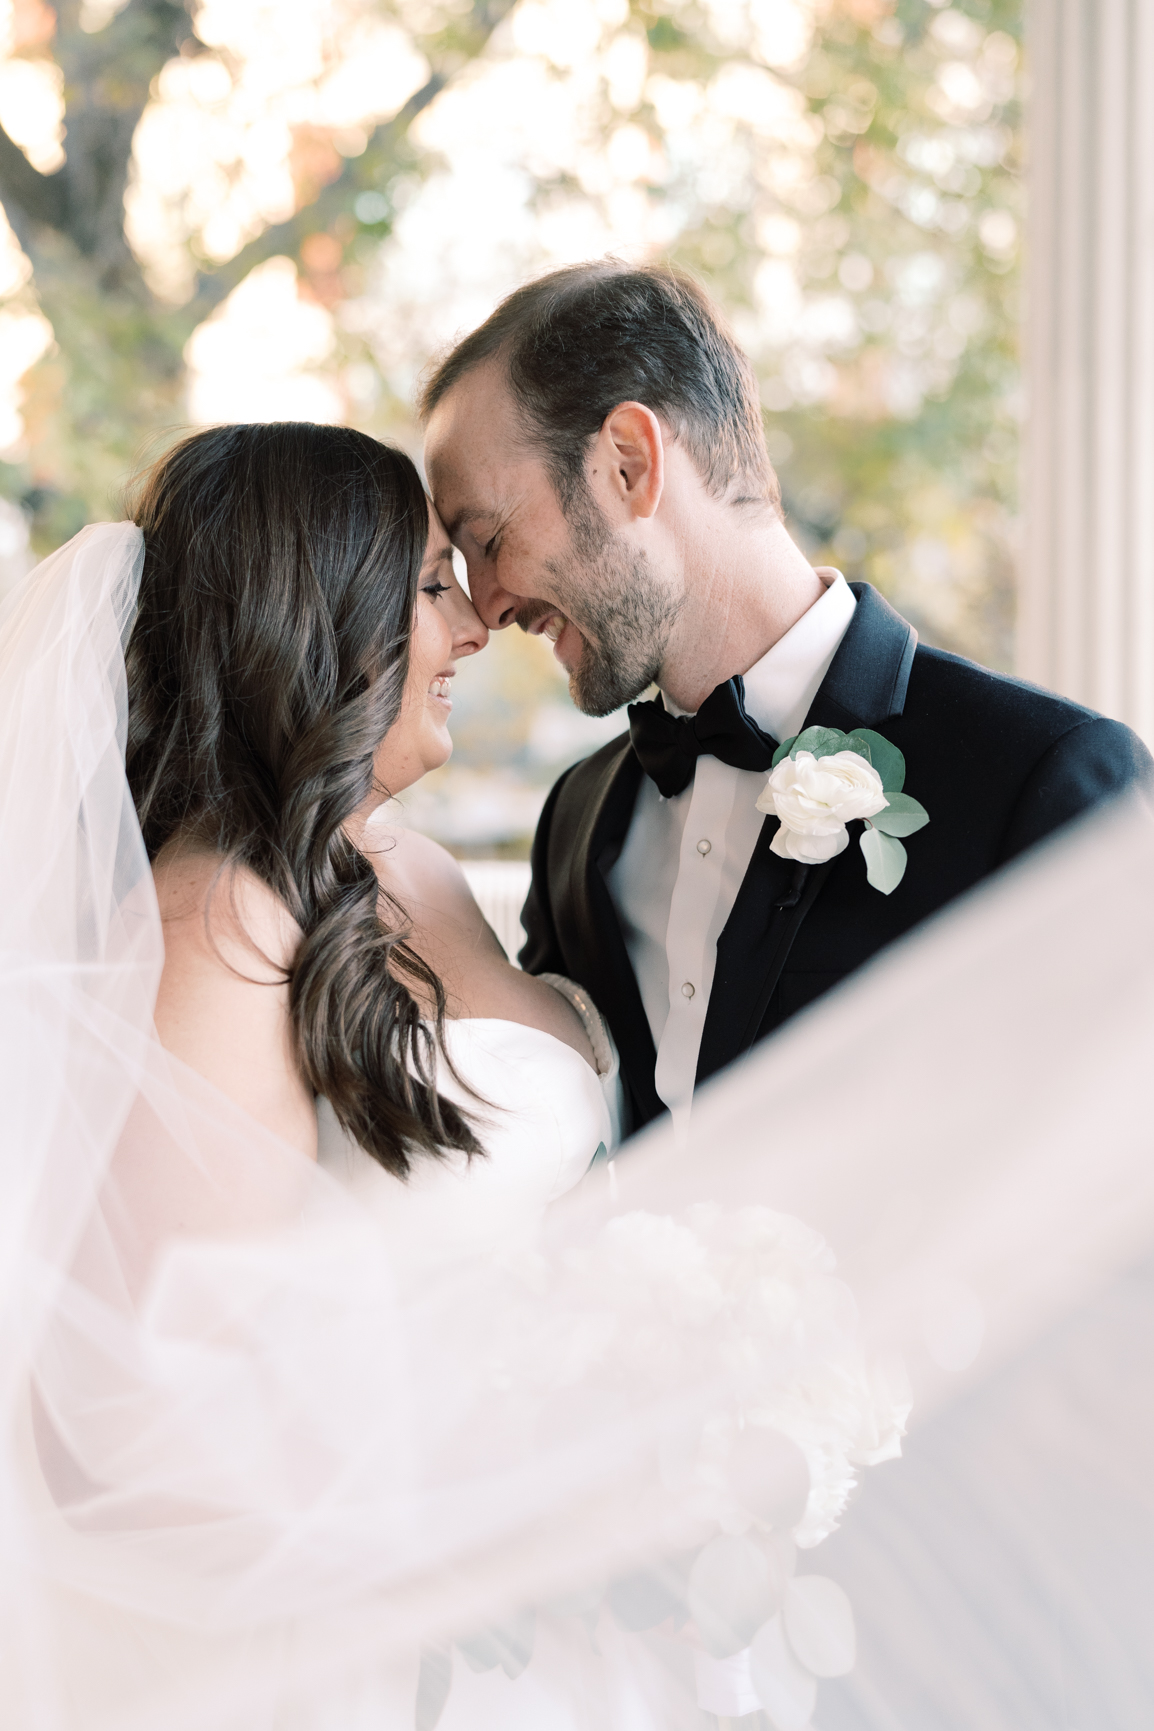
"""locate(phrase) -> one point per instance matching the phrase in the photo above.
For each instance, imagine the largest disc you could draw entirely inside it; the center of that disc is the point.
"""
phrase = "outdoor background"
(267, 209)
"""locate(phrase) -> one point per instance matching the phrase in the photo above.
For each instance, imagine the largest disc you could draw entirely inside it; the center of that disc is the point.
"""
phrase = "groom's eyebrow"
(469, 514)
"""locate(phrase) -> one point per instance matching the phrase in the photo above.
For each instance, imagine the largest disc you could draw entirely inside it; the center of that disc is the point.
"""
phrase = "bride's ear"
(628, 460)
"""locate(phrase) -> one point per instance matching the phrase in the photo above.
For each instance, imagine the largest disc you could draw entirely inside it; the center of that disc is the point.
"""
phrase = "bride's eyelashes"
(434, 589)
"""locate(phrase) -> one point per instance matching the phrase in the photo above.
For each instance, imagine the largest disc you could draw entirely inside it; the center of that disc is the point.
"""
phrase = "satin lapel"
(866, 684)
(868, 676)
(588, 927)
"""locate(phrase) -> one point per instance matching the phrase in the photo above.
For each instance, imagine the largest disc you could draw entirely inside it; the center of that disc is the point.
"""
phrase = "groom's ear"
(627, 463)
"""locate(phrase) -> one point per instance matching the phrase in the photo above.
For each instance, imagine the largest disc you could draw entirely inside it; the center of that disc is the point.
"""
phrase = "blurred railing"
(500, 886)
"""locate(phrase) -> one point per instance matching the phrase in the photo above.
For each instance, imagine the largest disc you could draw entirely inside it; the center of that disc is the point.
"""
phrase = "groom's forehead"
(476, 449)
(476, 416)
(485, 500)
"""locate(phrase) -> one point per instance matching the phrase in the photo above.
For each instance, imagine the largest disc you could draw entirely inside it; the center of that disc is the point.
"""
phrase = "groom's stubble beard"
(626, 616)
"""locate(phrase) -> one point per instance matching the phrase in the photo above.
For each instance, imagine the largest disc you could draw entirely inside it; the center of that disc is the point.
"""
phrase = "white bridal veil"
(252, 1476)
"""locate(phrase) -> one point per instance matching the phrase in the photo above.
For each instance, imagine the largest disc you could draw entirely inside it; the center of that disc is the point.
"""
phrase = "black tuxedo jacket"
(997, 763)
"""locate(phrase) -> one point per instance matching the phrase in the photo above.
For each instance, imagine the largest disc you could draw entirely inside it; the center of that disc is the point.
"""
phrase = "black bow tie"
(668, 746)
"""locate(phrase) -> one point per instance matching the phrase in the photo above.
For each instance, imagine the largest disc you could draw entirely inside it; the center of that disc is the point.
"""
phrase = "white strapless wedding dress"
(546, 1117)
(543, 1116)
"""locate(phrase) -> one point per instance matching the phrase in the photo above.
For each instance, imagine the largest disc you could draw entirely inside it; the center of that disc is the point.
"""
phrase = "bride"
(290, 668)
(315, 1417)
(317, 1426)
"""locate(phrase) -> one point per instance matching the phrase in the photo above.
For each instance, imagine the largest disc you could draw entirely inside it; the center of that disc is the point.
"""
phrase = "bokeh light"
(322, 193)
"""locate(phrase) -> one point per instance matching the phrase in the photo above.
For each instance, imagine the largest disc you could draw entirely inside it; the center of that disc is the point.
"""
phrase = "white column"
(1086, 601)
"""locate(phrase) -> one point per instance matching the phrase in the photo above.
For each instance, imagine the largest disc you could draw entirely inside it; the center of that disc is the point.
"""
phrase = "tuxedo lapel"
(868, 676)
(865, 685)
(774, 898)
(587, 923)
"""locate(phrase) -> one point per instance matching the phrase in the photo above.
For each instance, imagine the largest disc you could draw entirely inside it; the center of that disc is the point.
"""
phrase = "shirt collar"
(781, 686)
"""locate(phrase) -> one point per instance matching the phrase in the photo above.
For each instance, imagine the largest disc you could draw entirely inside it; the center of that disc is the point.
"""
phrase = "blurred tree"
(846, 177)
(864, 239)
(116, 374)
(843, 173)
(903, 466)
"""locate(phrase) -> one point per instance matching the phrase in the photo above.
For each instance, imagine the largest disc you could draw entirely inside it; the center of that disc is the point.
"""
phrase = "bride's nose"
(470, 634)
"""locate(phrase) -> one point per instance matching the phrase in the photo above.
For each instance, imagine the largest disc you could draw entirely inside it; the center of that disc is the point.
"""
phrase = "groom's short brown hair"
(583, 339)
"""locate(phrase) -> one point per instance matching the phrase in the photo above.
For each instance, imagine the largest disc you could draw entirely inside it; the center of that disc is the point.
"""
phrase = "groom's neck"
(746, 584)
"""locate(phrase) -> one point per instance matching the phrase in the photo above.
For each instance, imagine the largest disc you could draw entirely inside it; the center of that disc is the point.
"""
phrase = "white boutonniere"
(821, 780)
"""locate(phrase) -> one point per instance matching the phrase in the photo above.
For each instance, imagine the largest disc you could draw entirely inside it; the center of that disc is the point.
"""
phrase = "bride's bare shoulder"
(223, 1002)
(426, 879)
(451, 932)
(214, 909)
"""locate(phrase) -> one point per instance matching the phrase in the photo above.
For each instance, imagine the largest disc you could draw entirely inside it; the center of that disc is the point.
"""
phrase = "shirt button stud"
(688, 989)
(703, 846)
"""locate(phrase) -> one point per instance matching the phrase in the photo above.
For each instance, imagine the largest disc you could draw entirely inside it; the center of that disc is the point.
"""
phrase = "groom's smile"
(540, 551)
(494, 495)
(566, 637)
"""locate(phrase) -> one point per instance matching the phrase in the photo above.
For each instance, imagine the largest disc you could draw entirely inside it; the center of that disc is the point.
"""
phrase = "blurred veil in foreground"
(259, 1469)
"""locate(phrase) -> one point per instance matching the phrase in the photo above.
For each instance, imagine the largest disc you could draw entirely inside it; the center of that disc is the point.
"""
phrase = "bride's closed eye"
(434, 589)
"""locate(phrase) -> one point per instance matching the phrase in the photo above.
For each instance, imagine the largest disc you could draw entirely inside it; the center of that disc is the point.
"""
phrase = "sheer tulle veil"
(80, 938)
(249, 1473)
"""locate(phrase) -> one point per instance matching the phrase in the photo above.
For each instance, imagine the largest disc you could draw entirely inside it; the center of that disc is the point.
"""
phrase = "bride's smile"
(445, 628)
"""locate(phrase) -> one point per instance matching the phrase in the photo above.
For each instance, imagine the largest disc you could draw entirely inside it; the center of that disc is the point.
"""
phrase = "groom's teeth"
(554, 626)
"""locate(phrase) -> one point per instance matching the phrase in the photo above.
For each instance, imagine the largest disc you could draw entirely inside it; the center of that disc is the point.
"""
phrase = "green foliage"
(886, 758)
(885, 858)
(864, 742)
(110, 393)
(864, 188)
(820, 741)
(895, 433)
(902, 816)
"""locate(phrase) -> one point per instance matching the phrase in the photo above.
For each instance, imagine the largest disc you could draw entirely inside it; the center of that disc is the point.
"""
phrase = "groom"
(596, 451)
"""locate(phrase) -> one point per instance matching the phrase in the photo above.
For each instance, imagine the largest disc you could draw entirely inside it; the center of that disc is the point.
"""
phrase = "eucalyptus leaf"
(822, 741)
(508, 1644)
(885, 860)
(434, 1685)
(902, 816)
(857, 743)
(783, 750)
(886, 759)
(732, 1592)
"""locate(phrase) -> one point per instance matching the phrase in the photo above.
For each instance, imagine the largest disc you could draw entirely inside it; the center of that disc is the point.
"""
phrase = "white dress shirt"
(683, 861)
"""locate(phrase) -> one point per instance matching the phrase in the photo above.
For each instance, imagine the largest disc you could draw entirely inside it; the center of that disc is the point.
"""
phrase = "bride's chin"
(440, 751)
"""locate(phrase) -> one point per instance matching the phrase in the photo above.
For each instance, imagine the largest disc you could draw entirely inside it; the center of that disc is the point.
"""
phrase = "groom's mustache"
(533, 613)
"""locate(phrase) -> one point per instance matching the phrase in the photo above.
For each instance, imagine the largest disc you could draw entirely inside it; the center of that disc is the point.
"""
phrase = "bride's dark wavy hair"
(266, 664)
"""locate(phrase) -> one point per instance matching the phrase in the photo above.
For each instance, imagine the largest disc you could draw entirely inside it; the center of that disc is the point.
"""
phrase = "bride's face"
(445, 627)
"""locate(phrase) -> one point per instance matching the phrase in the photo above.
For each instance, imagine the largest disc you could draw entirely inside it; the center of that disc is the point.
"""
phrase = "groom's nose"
(497, 606)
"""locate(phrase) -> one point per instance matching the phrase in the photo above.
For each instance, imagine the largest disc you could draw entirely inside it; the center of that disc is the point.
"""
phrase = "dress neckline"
(522, 1027)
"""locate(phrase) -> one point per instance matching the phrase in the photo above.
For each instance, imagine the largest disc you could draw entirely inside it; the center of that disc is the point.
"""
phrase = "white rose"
(815, 797)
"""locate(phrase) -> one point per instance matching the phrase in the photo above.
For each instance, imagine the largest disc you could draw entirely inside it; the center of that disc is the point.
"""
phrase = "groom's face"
(564, 574)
